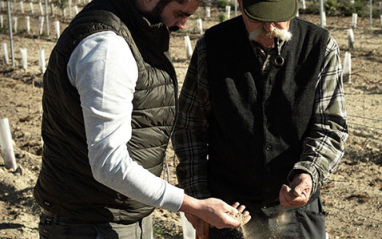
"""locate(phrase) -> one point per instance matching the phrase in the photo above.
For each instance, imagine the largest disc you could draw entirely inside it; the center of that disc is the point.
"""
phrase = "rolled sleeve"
(190, 135)
(324, 147)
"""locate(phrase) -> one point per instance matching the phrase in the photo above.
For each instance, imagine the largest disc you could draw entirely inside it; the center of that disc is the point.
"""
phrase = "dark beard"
(155, 16)
(173, 28)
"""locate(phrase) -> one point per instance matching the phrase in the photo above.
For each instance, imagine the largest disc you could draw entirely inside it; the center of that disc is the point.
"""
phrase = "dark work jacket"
(66, 185)
(258, 121)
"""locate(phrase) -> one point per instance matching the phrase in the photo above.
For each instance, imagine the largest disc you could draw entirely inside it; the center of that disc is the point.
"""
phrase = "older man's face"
(264, 32)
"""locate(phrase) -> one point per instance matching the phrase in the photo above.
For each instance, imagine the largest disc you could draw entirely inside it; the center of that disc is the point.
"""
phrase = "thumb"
(297, 191)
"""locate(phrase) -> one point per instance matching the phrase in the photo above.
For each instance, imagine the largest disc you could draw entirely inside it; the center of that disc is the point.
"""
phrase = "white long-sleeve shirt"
(104, 71)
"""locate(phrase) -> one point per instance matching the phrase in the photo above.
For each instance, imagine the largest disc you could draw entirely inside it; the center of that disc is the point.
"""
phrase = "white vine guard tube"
(7, 145)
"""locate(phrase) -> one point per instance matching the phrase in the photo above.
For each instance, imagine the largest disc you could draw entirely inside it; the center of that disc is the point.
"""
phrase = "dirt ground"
(352, 196)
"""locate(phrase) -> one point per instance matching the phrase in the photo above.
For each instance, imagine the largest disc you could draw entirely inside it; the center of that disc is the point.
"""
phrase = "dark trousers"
(54, 228)
(279, 222)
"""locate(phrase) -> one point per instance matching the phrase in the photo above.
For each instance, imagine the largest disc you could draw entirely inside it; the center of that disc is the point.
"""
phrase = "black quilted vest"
(258, 121)
(66, 185)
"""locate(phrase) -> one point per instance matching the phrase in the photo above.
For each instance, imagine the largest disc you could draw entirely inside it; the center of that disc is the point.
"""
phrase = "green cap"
(270, 10)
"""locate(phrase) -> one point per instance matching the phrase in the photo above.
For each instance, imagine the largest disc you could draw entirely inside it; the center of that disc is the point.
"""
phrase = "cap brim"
(271, 11)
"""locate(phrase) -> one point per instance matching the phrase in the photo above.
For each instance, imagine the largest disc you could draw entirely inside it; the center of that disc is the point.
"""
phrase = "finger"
(241, 208)
(295, 191)
(290, 198)
(297, 201)
(282, 195)
(293, 194)
(301, 192)
(306, 190)
(287, 190)
(298, 190)
(236, 204)
(246, 214)
(306, 193)
(247, 218)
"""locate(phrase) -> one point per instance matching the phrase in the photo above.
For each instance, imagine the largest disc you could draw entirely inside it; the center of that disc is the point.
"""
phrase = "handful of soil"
(239, 217)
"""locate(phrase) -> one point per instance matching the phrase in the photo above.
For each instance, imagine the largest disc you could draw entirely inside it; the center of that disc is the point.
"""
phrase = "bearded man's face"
(173, 13)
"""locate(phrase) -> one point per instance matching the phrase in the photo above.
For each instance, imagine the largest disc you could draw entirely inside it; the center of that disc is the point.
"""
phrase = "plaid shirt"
(323, 147)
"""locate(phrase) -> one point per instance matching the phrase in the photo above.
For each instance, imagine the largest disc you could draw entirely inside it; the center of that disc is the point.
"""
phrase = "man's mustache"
(283, 35)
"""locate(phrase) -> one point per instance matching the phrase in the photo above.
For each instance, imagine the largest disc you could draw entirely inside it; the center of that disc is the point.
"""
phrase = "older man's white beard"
(283, 35)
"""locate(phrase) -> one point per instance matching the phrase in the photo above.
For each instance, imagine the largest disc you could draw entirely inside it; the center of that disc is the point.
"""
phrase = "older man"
(262, 120)
(109, 109)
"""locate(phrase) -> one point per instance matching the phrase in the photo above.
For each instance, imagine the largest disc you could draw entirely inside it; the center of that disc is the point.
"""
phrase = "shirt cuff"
(174, 198)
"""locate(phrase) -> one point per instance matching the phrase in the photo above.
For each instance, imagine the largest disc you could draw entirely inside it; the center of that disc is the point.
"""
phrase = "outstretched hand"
(217, 213)
(298, 194)
(242, 216)
(235, 217)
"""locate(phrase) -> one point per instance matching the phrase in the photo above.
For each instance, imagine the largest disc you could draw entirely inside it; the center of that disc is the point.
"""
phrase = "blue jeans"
(52, 228)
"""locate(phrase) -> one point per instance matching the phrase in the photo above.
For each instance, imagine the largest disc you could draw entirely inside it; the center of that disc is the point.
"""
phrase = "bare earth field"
(352, 196)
